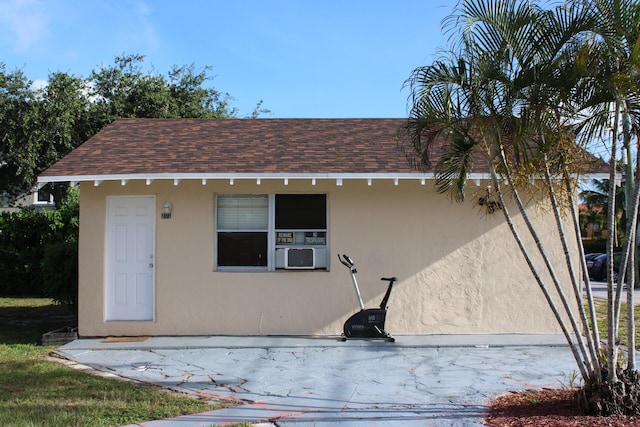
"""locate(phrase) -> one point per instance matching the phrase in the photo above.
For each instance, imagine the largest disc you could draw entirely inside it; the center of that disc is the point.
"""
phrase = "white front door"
(130, 264)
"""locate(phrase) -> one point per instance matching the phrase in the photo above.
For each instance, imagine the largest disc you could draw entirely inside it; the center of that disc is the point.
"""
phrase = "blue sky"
(304, 58)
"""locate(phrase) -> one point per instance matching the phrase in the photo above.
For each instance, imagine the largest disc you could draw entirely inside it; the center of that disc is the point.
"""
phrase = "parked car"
(589, 258)
(598, 270)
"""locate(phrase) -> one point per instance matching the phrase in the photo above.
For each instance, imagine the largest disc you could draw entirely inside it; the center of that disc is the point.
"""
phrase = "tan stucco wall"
(460, 271)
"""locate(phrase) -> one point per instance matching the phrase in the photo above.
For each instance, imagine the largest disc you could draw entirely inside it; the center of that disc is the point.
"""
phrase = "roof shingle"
(227, 147)
(232, 146)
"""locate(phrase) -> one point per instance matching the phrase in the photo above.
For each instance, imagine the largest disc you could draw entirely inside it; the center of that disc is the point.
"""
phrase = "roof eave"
(205, 177)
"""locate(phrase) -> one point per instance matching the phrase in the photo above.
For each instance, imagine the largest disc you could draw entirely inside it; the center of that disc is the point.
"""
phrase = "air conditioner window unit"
(300, 258)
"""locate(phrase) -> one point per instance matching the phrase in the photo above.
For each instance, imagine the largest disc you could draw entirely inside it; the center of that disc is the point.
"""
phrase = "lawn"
(601, 318)
(37, 392)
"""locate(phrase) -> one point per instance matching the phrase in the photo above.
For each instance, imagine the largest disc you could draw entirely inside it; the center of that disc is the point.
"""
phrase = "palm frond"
(456, 164)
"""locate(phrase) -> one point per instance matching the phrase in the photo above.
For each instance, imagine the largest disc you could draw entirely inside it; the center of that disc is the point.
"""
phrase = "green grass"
(601, 319)
(38, 392)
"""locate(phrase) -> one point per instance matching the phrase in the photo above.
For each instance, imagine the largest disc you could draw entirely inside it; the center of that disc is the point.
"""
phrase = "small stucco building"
(233, 227)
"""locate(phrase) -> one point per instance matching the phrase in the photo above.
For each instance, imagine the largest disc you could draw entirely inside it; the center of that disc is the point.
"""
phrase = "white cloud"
(26, 22)
(39, 84)
(149, 30)
(137, 32)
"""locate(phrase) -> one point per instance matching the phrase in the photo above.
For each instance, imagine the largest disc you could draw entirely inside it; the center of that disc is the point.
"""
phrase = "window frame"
(271, 231)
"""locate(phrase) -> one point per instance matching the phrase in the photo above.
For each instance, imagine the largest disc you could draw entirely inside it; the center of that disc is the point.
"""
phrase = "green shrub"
(22, 238)
(594, 246)
(60, 272)
(39, 252)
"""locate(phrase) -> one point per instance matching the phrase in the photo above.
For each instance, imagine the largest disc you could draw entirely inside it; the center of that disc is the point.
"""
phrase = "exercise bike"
(368, 323)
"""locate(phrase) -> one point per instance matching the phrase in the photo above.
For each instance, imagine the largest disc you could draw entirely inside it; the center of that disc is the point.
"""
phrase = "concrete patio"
(305, 381)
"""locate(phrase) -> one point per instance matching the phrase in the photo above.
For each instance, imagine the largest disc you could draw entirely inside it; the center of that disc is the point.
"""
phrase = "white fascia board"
(590, 176)
(204, 177)
(235, 176)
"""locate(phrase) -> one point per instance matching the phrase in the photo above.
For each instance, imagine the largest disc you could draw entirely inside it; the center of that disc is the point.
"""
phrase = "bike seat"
(389, 279)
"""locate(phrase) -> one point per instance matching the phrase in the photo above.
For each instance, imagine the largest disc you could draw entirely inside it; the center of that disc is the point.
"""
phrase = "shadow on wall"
(448, 256)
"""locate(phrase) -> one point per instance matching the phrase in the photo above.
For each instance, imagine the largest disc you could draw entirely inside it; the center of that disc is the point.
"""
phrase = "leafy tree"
(59, 264)
(125, 90)
(42, 125)
(16, 99)
(38, 250)
(59, 120)
(510, 91)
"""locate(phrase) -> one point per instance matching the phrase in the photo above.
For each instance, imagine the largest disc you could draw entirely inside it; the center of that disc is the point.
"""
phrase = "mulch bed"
(547, 408)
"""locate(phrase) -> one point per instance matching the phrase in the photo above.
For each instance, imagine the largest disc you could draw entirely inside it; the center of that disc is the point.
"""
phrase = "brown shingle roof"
(225, 147)
(232, 146)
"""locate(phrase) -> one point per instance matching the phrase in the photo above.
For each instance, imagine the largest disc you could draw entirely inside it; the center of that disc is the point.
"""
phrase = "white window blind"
(243, 212)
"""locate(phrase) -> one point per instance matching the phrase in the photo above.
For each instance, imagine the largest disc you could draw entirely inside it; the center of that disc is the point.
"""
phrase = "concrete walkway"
(599, 291)
(302, 381)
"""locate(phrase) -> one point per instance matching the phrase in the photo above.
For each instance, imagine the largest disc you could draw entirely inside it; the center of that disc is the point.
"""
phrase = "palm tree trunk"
(577, 289)
(595, 340)
(561, 294)
(612, 347)
(632, 212)
(627, 271)
(574, 350)
(631, 329)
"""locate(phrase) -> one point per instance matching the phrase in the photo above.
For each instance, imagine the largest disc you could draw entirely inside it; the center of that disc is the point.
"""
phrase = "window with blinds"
(243, 222)
(243, 212)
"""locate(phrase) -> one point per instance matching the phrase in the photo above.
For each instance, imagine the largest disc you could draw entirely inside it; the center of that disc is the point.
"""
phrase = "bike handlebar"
(346, 261)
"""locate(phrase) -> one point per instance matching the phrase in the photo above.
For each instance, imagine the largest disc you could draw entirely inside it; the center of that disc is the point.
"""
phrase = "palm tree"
(591, 219)
(510, 90)
(494, 96)
(597, 197)
(610, 99)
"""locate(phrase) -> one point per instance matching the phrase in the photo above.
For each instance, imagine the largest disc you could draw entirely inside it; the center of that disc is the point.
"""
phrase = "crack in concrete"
(417, 385)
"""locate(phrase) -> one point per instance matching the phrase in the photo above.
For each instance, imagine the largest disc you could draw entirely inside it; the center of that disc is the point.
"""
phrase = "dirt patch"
(548, 408)
(55, 318)
(126, 339)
